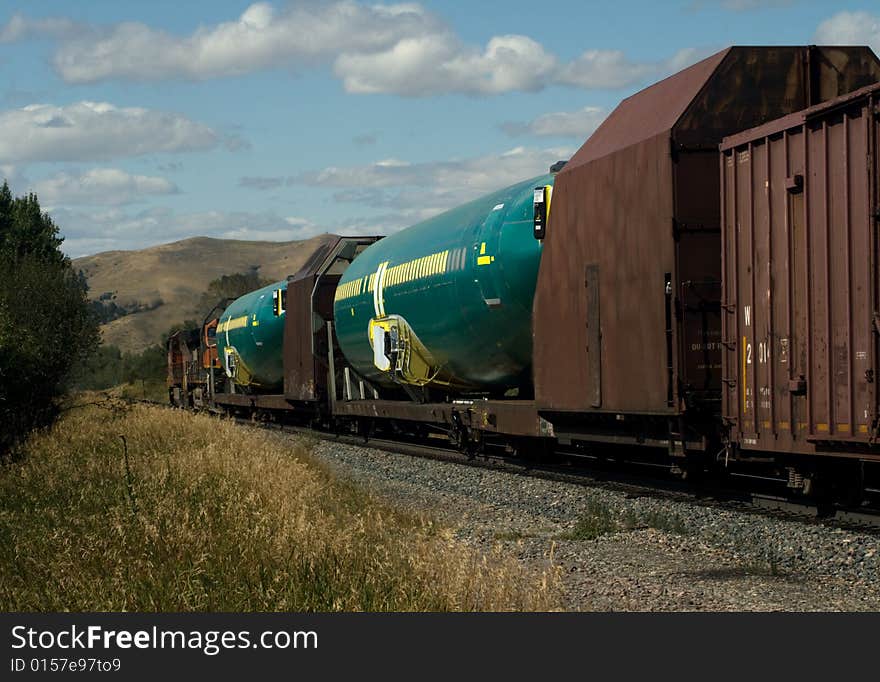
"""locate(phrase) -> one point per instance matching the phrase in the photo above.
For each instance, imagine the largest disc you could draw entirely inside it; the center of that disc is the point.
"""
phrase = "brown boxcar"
(627, 321)
(309, 304)
(800, 322)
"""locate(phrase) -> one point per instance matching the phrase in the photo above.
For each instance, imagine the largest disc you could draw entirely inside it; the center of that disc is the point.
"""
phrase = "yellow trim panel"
(233, 323)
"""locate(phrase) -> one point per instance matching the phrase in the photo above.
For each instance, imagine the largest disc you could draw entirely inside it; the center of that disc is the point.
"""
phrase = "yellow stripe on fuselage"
(402, 273)
(233, 323)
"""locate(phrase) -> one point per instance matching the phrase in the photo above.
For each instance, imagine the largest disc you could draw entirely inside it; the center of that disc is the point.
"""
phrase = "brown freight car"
(801, 204)
(627, 322)
(185, 373)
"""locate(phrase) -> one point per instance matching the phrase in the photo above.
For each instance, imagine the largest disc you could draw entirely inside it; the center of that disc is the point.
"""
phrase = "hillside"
(166, 281)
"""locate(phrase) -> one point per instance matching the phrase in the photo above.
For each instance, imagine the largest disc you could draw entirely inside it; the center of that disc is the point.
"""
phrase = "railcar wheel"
(365, 429)
(692, 469)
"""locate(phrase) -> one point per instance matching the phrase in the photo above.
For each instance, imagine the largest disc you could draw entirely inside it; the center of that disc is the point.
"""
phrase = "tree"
(230, 287)
(46, 325)
(26, 231)
(184, 326)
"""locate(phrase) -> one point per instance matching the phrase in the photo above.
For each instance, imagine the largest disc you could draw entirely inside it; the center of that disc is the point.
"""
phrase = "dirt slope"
(167, 280)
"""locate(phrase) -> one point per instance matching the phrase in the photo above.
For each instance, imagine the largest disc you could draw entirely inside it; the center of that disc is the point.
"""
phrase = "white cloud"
(20, 27)
(683, 58)
(386, 223)
(601, 69)
(478, 174)
(13, 176)
(299, 222)
(739, 5)
(86, 131)
(745, 5)
(579, 124)
(261, 228)
(395, 49)
(100, 187)
(850, 28)
(260, 38)
(262, 235)
(415, 191)
(436, 64)
(260, 182)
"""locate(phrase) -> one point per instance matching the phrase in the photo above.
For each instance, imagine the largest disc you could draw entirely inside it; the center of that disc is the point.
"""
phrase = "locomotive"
(698, 283)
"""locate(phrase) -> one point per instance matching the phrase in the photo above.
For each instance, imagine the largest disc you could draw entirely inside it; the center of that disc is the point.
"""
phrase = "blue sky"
(139, 123)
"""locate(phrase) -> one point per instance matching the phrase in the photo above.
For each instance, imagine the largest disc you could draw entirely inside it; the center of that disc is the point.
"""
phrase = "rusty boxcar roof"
(730, 90)
(648, 112)
(797, 118)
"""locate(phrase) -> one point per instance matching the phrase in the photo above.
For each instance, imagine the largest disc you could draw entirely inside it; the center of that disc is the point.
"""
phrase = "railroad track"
(626, 479)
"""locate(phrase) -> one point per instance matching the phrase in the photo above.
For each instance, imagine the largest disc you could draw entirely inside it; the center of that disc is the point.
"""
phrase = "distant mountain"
(155, 288)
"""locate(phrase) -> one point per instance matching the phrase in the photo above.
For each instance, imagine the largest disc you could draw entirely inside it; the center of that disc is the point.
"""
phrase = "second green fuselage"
(253, 334)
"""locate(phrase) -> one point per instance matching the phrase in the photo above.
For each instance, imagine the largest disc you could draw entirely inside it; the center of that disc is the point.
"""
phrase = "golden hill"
(167, 280)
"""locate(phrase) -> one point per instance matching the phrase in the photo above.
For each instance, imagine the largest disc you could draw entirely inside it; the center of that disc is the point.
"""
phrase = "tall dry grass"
(212, 516)
(145, 389)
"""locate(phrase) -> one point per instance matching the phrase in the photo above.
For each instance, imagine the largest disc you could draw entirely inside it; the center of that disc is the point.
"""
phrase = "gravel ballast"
(616, 551)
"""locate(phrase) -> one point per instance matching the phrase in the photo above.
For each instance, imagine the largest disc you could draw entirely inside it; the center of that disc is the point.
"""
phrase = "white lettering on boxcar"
(763, 352)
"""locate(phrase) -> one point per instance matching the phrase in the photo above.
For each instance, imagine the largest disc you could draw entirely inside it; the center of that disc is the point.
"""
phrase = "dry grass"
(145, 389)
(212, 516)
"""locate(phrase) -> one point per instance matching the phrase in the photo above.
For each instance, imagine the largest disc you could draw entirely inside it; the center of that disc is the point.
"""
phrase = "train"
(697, 284)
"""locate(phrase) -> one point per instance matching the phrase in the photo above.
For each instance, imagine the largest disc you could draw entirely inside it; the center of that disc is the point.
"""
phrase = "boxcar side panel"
(620, 225)
(799, 282)
(300, 382)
